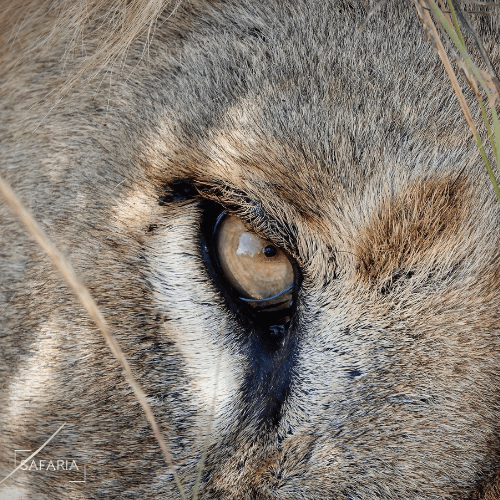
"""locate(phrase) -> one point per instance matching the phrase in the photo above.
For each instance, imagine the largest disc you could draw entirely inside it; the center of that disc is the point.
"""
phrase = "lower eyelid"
(283, 298)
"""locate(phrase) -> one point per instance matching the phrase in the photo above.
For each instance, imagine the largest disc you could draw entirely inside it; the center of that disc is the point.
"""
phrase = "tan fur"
(120, 123)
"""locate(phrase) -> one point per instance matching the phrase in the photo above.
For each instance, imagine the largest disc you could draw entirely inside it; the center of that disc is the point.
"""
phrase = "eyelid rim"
(263, 301)
(217, 222)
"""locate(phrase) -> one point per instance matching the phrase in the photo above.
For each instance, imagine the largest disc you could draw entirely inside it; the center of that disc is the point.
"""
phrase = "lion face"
(279, 217)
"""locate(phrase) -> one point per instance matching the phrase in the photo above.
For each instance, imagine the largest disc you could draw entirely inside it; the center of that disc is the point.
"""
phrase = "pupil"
(269, 251)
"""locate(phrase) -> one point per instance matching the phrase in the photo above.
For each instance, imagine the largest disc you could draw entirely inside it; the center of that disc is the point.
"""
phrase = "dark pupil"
(269, 251)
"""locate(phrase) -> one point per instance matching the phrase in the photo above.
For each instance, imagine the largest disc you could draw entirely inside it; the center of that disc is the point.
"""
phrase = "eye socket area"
(259, 272)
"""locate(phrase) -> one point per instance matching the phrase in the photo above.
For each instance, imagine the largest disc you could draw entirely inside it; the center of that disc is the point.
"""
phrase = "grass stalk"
(209, 433)
(83, 295)
(487, 81)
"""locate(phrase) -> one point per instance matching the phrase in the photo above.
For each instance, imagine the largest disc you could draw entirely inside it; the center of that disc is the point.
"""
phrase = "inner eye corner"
(176, 191)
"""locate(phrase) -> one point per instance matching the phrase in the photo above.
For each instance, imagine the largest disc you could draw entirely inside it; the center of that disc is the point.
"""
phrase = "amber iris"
(253, 266)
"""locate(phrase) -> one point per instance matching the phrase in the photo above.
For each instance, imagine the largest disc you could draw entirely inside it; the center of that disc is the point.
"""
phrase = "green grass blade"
(488, 128)
(496, 142)
(455, 22)
(488, 167)
(460, 45)
(456, 36)
(200, 471)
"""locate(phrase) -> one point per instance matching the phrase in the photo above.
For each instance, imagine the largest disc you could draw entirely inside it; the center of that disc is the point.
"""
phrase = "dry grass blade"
(485, 4)
(371, 13)
(90, 306)
(430, 27)
(478, 151)
(122, 24)
(209, 432)
(492, 75)
(34, 454)
(99, 33)
(424, 7)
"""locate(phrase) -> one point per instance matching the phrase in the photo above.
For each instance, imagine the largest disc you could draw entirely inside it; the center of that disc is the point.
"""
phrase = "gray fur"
(350, 142)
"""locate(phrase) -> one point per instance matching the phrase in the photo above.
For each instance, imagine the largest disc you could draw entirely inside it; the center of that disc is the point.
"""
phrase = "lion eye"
(257, 270)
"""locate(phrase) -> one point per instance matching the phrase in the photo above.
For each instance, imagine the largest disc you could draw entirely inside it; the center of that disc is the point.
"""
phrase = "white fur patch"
(12, 493)
(197, 319)
(36, 376)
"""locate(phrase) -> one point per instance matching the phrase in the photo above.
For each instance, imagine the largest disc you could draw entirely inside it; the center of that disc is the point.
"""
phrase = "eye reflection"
(255, 268)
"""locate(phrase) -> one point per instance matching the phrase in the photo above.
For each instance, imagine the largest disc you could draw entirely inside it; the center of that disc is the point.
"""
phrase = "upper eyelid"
(237, 203)
(250, 210)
